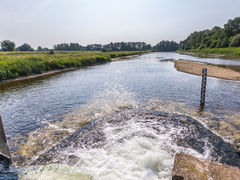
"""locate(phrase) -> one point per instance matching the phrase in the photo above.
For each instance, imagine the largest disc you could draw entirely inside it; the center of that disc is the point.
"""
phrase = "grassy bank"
(231, 52)
(18, 64)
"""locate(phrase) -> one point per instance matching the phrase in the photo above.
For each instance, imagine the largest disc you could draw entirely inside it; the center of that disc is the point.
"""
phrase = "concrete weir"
(4, 149)
(187, 167)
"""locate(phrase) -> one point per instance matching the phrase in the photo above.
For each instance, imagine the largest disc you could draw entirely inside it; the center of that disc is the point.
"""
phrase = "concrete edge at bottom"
(187, 167)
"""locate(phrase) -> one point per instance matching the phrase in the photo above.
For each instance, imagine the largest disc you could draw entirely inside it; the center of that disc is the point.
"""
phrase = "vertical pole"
(4, 149)
(203, 87)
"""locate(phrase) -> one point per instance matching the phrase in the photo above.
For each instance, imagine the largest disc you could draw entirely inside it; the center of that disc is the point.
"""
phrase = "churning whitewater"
(126, 139)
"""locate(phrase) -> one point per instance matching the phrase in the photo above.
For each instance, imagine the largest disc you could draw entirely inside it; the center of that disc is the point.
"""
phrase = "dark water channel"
(140, 112)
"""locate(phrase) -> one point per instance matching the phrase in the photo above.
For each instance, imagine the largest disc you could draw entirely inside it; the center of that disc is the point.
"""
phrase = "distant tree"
(127, 46)
(94, 47)
(165, 46)
(217, 37)
(74, 47)
(232, 27)
(8, 45)
(61, 47)
(39, 48)
(235, 41)
(68, 47)
(45, 49)
(25, 47)
(118, 46)
(214, 38)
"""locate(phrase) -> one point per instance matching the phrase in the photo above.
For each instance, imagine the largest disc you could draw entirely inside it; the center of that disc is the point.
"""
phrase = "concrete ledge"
(187, 167)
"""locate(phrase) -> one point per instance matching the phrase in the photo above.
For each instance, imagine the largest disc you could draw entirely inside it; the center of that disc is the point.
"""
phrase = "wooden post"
(203, 87)
(4, 149)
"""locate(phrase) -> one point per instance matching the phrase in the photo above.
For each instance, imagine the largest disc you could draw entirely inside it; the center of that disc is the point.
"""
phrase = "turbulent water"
(122, 120)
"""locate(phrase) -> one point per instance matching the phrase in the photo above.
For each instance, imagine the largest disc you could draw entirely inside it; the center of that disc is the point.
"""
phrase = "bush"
(104, 50)
(3, 74)
(51, 52)
(113, 55)
(235, 41)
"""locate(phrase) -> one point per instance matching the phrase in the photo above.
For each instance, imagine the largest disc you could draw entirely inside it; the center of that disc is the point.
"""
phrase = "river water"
(135, 116)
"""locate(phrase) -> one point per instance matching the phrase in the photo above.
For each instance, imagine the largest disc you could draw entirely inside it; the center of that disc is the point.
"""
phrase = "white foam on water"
(133, 150)
(53, 172)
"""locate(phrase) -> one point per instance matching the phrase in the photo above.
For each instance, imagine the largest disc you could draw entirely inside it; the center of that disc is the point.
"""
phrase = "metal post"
(203, 88)
(4, 149)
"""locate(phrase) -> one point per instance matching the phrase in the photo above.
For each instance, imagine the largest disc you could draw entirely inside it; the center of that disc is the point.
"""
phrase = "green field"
(17, 64)
(232, 52)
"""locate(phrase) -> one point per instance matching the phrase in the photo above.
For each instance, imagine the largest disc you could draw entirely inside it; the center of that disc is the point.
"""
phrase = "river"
(142, 111)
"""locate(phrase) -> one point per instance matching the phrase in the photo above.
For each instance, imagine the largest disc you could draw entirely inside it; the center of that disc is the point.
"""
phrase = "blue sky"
(48, 22)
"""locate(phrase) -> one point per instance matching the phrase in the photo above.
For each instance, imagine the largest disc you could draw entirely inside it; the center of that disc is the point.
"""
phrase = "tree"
(68, 47)
(45, 49)
(217, 37)
(232, 27)
(39, 48)
(8, 45)
(94, 47)
(165, 46)
(127, 46)
(235, 41)
(25, 47)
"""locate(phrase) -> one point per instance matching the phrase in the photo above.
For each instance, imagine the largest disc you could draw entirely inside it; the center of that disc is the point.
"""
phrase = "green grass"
(17, 64)
(232, 52)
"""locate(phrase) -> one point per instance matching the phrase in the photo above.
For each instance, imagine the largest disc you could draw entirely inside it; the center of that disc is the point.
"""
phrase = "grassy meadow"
(18, 64)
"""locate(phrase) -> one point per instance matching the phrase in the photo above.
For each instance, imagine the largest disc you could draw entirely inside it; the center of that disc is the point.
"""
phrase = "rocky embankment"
(188, 167)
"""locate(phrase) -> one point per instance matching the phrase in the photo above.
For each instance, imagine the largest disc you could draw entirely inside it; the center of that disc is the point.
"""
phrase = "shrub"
(3, 74)
(51, 52)
(235, 41)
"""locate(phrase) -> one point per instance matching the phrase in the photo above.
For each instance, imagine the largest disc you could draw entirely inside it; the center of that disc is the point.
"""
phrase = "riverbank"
(19, 66)
(217, 71)
(125, 57)
(231, 52)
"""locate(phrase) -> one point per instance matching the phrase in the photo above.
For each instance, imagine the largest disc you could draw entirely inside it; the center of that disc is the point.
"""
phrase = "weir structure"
(5, 155)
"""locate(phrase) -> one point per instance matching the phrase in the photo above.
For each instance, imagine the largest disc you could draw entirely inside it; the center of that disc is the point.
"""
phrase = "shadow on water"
(7, 171)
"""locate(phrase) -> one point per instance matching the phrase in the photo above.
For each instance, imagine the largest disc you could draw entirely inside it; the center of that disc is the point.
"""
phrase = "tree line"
(117, 46)
(8, 45)
(217, 37)
(165, 46)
